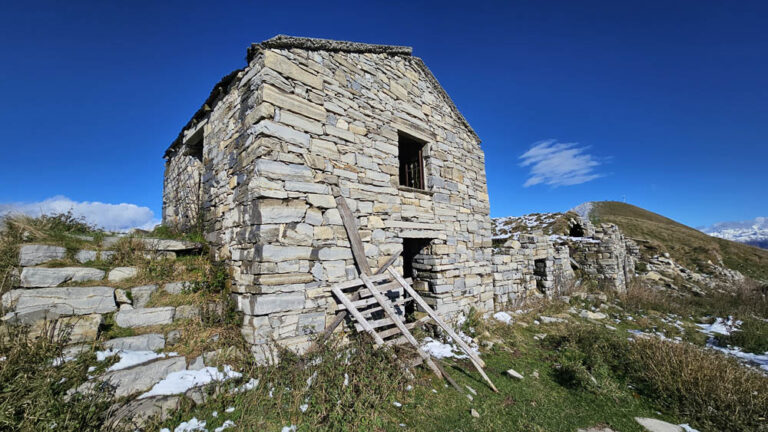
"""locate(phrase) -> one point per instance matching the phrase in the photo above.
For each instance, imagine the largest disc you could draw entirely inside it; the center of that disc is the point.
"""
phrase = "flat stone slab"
(34, 277)
(155, 244)
(175, 287)
(135, 414)
(654, 425)
(63, 301)
(118, 274)
(146, 342)
(83, 328)
(145, 316)
(141, 294)
(139, 378)
(34, 254)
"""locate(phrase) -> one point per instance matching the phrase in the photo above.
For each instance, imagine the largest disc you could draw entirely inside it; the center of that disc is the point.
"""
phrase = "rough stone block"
(145, 317)
(145, 342)
(268, 211)
(265, 304)
(141, 294)
(83, 328)
(34, 254)
(118, 274)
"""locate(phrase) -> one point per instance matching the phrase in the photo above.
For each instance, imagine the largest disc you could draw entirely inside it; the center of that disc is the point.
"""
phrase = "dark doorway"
(576, 231)
(411, 248)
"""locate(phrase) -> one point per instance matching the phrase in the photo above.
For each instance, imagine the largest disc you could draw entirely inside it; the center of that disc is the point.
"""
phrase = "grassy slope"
(689, 246)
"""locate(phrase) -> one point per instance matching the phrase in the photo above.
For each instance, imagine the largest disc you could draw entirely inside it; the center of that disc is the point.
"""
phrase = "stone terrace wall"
(532, 266)
(297, 124)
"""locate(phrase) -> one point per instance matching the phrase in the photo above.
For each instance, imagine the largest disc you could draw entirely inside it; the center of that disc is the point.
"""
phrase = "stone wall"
(531, 266)
(301, 123)
(607, 255)
(181, 191)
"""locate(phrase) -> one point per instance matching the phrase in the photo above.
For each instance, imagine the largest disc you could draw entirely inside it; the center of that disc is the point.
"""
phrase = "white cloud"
(112, 217)
(558, 164)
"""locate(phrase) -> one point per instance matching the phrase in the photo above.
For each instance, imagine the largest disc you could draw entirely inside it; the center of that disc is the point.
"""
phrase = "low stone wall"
(535, 265)
(531, 266)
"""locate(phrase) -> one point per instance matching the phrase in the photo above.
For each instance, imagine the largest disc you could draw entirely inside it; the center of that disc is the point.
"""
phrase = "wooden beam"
(350, 225)
(393, 316)
(351, 308)
(389, 262)
(411, 325)
(431, 312)
(476, 361)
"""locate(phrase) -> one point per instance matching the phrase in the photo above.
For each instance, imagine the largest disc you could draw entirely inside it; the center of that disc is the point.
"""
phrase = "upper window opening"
(194, 145)
(411, 161)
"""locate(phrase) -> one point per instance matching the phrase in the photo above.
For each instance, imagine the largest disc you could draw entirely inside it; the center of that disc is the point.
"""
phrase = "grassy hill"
(687, 245)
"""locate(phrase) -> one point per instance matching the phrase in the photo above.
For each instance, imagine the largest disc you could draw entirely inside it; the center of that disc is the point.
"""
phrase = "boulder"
(141, 294)
(145, 317)
(64, 301)
(145, 342)
(118, 274)
(83, 328)
(34, 254)
(34, 277)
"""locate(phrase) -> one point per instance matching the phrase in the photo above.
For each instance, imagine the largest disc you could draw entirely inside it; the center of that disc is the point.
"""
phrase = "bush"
(34, 383)
(752, 336)
(699, 384)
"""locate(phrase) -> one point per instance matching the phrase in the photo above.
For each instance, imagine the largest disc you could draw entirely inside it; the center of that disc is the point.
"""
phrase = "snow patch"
(130, 358)
(503, 317)
(181, 381)
(720, 326)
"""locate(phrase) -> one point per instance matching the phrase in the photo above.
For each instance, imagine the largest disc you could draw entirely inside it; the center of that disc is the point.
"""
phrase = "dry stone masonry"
(308, 119)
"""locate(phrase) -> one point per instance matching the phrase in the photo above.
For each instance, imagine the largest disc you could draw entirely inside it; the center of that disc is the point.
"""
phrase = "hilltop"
(657, 234)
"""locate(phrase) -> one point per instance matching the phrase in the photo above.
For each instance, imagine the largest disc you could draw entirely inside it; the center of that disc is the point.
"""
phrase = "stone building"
(259, 164)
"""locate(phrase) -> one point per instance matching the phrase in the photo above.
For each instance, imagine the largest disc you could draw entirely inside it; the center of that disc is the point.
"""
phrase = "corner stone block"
(270, 303)
(266, 211)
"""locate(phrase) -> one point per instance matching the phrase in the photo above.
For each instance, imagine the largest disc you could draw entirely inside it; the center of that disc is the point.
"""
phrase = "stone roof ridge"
(318, 44)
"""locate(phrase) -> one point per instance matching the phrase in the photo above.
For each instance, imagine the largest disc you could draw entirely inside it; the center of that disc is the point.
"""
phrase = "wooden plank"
(362, 321)
(389, 262)
(393, 331)
(391, 313)
(368, 312)
(407, 287)
(479, 364)
(350, 225)
(356, 282)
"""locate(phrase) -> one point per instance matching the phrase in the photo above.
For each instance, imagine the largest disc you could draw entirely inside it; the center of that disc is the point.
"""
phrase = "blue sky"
(664, 104)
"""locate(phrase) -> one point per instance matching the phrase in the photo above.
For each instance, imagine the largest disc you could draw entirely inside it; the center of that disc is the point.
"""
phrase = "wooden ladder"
(377, 304)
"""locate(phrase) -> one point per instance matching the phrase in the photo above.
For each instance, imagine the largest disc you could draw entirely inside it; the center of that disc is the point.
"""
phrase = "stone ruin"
(259, 165)
(535, 265)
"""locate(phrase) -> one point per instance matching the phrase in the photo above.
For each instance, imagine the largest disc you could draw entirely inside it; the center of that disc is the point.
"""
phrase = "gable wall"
(297, 125)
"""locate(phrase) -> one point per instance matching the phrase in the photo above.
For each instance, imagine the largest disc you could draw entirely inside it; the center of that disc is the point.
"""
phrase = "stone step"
(143, 317)
(63, 301)
(146, 342)
(139, 378)
(40, 277)
(34, 254)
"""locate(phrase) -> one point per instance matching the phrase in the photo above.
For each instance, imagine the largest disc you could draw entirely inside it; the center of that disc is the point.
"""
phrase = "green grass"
(688, 246)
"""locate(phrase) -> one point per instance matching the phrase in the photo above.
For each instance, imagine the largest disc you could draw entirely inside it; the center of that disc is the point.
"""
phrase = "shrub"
(752, 336)
(699, 384)
(34, 383)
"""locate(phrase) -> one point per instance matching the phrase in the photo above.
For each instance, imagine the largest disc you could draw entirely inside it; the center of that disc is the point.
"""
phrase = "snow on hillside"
(753, 231)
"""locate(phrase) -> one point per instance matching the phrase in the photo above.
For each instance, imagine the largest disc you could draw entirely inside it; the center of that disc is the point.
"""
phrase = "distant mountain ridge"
(752, 232)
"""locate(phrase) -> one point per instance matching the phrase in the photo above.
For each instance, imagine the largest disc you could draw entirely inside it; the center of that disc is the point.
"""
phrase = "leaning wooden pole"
(476, 361)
